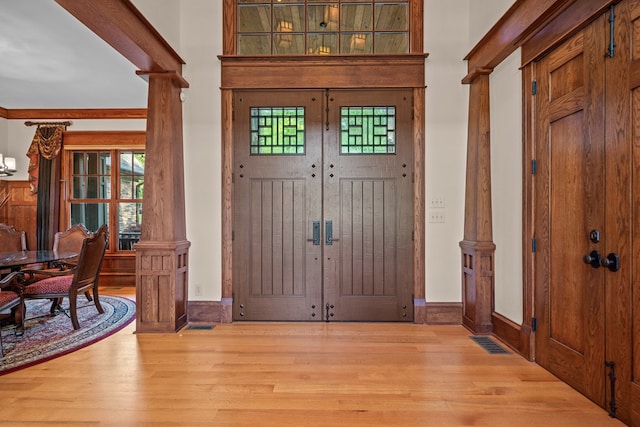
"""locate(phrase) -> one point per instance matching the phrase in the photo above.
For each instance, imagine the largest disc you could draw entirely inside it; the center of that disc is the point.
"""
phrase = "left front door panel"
(277, 200)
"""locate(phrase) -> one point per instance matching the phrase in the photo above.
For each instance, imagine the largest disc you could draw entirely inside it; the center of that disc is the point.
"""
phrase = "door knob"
(593, 258)
(612, 262)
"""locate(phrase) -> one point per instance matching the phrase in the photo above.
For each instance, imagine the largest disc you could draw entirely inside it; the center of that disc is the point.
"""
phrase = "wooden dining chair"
(69, 240)
(85, 278)
(10, 302)
(12, 240)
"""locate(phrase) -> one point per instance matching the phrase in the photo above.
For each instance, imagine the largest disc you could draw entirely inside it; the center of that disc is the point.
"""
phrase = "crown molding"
(61, 114)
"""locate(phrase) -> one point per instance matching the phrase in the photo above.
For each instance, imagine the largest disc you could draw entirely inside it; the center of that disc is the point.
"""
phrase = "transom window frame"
(415, 29)
(323, 27)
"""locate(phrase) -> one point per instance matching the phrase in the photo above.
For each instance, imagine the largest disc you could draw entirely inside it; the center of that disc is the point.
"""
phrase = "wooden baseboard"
(513, 335)
(443, 313)
(210, 311)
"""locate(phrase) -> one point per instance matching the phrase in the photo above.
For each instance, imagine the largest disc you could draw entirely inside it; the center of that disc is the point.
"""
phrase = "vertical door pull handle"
(316, 233)
(328, 231)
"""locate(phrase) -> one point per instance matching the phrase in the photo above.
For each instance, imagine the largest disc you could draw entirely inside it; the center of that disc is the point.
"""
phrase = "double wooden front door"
(587, 210)
(323, 206)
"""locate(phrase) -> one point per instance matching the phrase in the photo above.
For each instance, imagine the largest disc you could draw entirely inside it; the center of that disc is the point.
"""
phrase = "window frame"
(311, 36)
(95, 141)
(415, 23)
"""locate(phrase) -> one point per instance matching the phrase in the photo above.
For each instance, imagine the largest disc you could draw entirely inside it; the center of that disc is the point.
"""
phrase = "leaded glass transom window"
(368, 130)
(277, 130)
(323, 27)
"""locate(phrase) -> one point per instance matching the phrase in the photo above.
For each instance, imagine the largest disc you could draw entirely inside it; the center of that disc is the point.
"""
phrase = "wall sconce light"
(284, 40)
(358, 42)
(7, 165)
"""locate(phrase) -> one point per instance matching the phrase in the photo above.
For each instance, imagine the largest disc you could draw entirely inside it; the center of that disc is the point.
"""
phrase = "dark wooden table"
(15, 260)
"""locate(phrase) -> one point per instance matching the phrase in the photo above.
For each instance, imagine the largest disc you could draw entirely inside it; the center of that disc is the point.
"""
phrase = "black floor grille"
(201, 327)
(490, 345)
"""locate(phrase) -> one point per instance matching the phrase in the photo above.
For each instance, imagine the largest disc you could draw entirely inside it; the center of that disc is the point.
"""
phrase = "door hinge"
(534, 87)
(233, 235)
(612, 381)
(534, 324)
(412, 236)
(534, 167)
(534, 245)
(329, 314)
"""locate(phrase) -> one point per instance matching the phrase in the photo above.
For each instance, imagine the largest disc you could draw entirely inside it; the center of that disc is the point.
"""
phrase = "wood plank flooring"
(293, 374)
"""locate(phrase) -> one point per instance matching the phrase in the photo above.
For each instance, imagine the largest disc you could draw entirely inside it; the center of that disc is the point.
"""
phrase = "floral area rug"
(47, 337)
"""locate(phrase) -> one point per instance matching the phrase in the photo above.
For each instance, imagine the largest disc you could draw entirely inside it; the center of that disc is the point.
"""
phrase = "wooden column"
(478, 248)
(226, 314)
(162, 253)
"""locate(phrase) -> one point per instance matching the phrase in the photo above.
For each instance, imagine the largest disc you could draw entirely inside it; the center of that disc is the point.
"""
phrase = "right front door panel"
(569, 202)
(368, 197)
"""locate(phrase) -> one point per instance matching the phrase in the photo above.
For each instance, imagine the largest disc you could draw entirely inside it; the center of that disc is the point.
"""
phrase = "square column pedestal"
(161, 285)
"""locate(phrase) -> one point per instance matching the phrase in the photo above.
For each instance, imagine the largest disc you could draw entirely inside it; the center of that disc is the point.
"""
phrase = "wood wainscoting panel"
(19, 209)
(118, 270)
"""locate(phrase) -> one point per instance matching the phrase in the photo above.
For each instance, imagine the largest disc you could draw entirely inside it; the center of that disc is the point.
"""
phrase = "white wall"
(484, 15)
(164, 16)
(201, 35)
(452, 28)
(506, 185)
(446, 40)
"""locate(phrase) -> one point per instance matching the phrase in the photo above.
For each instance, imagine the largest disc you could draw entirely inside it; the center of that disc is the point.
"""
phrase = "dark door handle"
(593, 258)
(316, 233)
(328, 232)
(612, 262)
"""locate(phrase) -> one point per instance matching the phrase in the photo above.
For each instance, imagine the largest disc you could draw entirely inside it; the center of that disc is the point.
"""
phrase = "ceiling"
(49, 60)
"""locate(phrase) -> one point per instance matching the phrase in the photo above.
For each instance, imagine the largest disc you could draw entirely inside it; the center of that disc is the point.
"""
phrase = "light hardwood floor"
(293, 374)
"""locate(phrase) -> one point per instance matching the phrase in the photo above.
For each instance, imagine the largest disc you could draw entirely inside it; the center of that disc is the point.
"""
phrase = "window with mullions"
(368, 130)
(93, 174)
(277, 130)
(323, 27)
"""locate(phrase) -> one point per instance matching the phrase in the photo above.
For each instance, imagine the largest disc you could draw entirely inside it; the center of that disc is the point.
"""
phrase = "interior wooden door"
(587, 205)
(323, 206)
(570, 212)
(368, 201)
(622, 140)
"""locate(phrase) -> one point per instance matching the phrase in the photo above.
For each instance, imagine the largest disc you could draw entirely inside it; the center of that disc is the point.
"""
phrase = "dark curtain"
(48, 213)
(44, 179)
